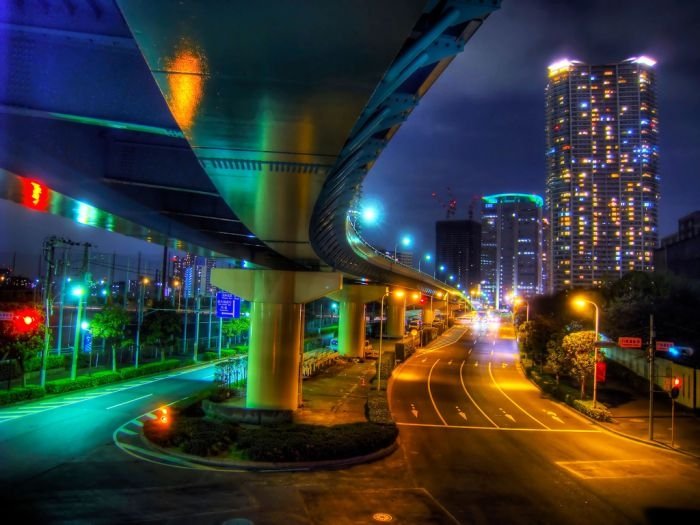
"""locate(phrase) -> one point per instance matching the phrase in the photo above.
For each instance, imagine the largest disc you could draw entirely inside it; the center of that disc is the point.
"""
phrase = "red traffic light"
(675, 387)
(26, 321)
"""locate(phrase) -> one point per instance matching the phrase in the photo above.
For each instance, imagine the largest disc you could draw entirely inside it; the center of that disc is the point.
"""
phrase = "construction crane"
(450, 205)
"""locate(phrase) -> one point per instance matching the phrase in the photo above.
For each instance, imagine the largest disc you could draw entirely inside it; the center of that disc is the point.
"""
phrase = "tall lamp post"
(139, 318)
(580, 303)
(517, 301)
(427, 258)
(405, 242)
(381, 338)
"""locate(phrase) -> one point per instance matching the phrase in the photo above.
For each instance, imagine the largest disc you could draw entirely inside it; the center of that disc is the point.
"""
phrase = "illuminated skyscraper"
(511, 247)
(602, 187)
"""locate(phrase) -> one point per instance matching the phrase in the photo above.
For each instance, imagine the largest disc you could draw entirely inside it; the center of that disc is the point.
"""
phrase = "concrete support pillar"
(428, 314)
(351, 323)
(276, 326)
(395, 310)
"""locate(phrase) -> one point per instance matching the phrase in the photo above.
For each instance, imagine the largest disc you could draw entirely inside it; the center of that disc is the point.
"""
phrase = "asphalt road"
(484, 442)
(478, 445)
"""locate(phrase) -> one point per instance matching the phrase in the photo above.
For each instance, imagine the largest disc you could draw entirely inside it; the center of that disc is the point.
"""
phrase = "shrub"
(52, 361)
(289, 443)
(67, 385)
(195, 435)
(378, 408)
(152, 368)
(21, 394)
(208, 356)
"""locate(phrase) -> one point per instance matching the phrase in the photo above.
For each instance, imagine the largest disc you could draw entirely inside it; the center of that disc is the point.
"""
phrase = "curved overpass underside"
(240, 128)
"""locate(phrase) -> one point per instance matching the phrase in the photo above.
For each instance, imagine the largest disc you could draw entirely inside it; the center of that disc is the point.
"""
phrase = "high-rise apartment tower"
(602, 187)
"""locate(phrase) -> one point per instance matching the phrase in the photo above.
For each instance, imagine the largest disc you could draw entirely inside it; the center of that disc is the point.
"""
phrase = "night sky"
(480, 129)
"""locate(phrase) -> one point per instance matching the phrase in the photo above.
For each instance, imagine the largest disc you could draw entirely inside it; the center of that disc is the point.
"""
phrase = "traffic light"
(675, 387)
(26, 321)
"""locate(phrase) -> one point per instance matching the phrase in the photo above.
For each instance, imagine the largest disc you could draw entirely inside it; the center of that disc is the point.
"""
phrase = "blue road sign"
(228, 305)
(87, 342)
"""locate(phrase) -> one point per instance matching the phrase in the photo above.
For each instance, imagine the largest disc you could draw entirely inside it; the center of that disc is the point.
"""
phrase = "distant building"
(602, 186)
(511, 247)
(679, 253)
(458, 250)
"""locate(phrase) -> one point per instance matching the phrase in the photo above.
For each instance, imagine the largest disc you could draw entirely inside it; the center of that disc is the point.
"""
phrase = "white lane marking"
(450, 362)
(461, 414)
(553, 415)
(414, 411)
(493, 379)
(500, 429)
(464, 387)
(506, 414)
(127, 402)
(128, 432)
(476, 363)
(432, 400)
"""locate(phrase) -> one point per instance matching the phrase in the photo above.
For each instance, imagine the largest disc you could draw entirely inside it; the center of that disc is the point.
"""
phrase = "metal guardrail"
(316, 360)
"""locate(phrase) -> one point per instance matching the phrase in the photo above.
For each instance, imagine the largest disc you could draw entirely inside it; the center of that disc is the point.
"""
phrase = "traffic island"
(334, 433)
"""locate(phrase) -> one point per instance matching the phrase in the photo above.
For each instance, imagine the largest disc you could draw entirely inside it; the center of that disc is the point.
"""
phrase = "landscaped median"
(188, 430)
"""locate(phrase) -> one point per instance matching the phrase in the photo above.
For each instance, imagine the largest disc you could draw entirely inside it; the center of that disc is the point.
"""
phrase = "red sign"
(663, 346)
(629, 342)
(600, 369)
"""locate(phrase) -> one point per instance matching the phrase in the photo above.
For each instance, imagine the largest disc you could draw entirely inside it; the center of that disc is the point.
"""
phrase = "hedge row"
(193, 435)
(152, 368)
(60, 386)
(288, 443)
(569, 395)
(21, 394)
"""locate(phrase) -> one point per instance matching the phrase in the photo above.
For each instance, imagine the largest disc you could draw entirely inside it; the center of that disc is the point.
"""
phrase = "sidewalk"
(629, 407)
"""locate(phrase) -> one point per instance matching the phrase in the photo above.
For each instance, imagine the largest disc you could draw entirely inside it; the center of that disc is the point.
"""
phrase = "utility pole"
(64, 277)
(652, 344)
(83, 292)
(196, 328)
(49, 248)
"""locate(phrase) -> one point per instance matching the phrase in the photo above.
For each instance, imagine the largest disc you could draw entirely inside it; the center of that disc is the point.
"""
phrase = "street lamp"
(405, 242)
(381, 338)
(78, 292)
(427, 257)
(177, 284)
(517, 301)
(139, 318)
(580, 303)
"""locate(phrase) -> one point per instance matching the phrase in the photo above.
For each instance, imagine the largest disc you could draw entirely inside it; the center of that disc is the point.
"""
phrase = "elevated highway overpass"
(236, 128)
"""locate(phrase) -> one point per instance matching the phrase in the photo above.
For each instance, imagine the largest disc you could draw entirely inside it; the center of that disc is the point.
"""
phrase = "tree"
(235, 327)
(109, 325)
(161, 328)
(579, 348)
(23, 338)
(557, 359)
(534, 335)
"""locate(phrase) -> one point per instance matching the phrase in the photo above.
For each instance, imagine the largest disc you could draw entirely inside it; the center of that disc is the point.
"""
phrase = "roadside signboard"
(87, 342)
(629, 342)
(601, 368)
(5, 316)
(227, 305)
(663, 346)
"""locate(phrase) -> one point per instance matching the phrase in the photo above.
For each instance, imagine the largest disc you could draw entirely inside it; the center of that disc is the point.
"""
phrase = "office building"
(511, 247)
(679, 254)
(602, 186)
(458, 250)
